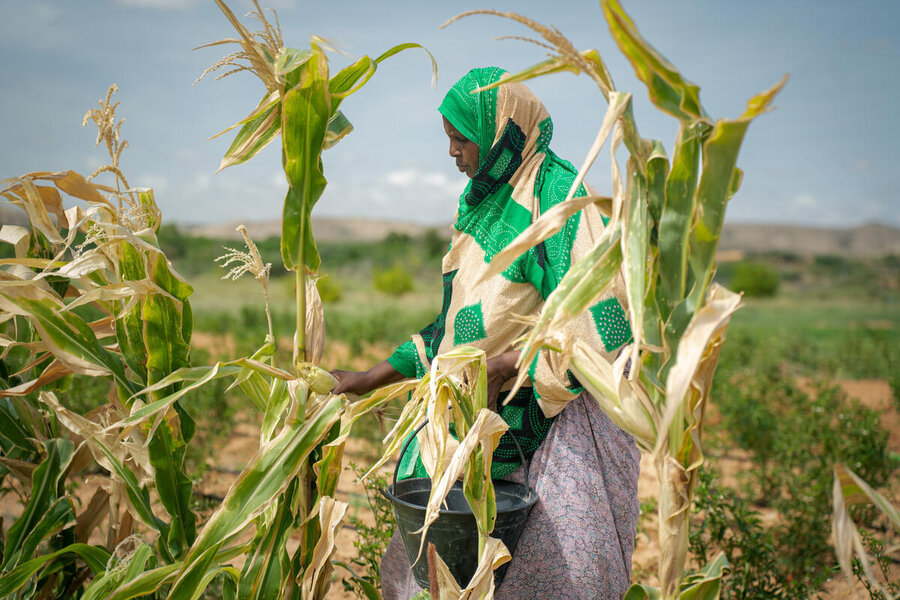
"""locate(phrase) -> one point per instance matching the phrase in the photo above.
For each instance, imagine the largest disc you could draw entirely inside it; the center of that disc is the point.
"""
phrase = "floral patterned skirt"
(579, 537)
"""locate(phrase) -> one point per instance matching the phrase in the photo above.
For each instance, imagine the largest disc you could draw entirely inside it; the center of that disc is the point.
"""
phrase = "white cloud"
(159, 183)
(403, 178)
(425, 181)
(805, 201)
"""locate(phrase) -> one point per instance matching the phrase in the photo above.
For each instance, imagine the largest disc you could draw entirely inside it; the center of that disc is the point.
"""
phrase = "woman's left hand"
(500, 369)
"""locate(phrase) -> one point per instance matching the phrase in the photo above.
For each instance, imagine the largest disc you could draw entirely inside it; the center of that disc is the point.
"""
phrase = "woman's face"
(464, 150)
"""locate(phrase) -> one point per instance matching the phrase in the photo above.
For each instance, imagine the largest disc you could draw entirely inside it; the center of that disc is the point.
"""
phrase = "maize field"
(92, 303)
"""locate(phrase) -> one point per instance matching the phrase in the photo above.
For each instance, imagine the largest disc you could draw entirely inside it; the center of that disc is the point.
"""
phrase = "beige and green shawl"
(518, 179)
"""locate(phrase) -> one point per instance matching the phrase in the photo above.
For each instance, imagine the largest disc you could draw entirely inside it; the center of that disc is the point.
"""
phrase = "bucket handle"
(422, 425)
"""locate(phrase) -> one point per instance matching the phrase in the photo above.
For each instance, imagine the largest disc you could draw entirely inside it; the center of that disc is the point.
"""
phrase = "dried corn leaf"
(626, 403)
(707, 327)
(486, 433)
(850, 489)
(481, 585)
(317, 577)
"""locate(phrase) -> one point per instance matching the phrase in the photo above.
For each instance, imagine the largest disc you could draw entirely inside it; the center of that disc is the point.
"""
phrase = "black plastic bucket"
(455, 533)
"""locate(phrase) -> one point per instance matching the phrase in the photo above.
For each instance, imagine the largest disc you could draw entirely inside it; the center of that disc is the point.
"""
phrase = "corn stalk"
(665, 222)
(301, 103)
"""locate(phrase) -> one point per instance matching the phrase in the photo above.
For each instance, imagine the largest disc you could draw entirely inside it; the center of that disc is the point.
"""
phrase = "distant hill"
(327, 229)
(863, 241)
(738, 238)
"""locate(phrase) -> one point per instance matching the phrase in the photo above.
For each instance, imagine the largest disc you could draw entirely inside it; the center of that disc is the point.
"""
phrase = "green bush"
(372, 540)
(395, 281)
(794, 436)
(723, 521)
(329, 289)
(754, 279)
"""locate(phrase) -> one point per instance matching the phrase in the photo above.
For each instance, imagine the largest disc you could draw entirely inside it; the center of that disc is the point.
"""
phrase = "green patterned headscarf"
(474, 114)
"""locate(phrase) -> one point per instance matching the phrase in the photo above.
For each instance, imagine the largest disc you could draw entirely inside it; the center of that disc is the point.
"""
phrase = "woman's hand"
(363, 382)
(500, 369)
(354, 382)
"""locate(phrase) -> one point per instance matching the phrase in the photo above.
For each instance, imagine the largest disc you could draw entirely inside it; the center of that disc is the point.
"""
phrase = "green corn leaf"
(305, 114)
(394, 50)
(265, 477)
(147, 582)
(129, 327)
(73, 342)
(676, 218)
(657, 173)
(668, 90)
(636, 239)
(198, 376)
(166, 335)
(174, 487)
(706, 583)
(339, 127)
(255, 135)
(13, 437)
(101, 588)
(95, 557)
(720, 152)
(192, 577)
(349, 79)
(267, 566)
(291, 59)
(328, 469)
(166, 349)
(44, 484)
(639, 591)
(57, 516)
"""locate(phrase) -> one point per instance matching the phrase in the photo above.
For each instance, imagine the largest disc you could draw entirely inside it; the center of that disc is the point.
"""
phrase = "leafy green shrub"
(395, 281)
(372, 540)
(794, 438)
(755, 279)
(329, 289)
(435, 244)
(723, 521)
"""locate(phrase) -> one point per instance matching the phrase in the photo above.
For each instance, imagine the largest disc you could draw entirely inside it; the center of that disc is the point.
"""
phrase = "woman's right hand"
(354, 382)
(363, 382)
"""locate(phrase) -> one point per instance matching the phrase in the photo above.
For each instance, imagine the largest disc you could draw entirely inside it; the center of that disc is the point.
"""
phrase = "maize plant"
(665, 220)
(90, 292)
(452, 396)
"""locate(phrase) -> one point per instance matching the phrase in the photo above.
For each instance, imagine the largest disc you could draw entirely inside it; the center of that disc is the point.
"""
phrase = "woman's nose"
(454, 150)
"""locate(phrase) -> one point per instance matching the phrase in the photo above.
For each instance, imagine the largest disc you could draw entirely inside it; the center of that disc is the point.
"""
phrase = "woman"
(578, 540)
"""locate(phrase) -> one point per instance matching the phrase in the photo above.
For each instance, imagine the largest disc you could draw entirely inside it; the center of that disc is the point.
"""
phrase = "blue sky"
(827, 156)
